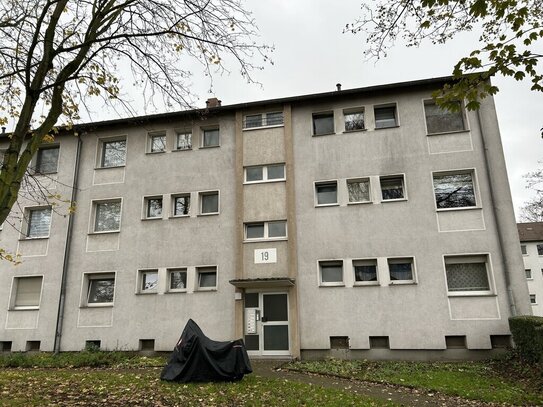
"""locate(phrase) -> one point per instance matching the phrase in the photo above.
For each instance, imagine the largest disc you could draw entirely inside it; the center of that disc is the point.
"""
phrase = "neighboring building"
(531, 245)
(364, 219)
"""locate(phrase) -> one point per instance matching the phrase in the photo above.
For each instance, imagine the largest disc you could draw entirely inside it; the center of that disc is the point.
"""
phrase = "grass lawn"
(31, 387)
(505, 381)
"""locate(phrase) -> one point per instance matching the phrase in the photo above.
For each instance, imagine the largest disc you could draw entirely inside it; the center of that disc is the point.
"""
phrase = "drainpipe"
(62, 299)
(500, 226)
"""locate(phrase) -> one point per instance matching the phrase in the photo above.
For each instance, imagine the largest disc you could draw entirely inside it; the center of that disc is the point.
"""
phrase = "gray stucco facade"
(311, 224)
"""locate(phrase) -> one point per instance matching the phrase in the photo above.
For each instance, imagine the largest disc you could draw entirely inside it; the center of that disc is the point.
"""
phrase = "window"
(181, 205)
(148, 281)
(467, 274)
(209, 203)
(207, 277)
(323, 123)
(177, 279)
(359, 190)
(183, 141)
(107, 216)
(210, 137)
(262, 120)
(262, 173)
(533, 299)
(266, 230)
(540, 249)
(326, 193)
(392, 187)
(454, 190)
(354, 120)
(157, 142)
(331, 272)
(365, 271)
(528, 274)
(101, 288)
(39, 222)
(113, 153)
(523, 249)
(47, 160)
(153, 208)
(385, 116)
(27, 292)
(401, 269)
(440, 120)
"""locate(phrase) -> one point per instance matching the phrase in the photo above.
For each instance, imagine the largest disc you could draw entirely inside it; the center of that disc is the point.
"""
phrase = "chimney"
(213, 102)
(338, 86)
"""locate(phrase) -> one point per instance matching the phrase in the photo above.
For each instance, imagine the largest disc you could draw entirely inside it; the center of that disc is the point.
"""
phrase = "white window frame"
(404, 187)
(173, 199)
(202, 270)
(413, 270)
(426, 102)
(264, 120)
(151, 135)
(358, 179)
(265, 173)
(529, 275)
(354, 110)
(101, 151)
(146, 201)
(471, 258)
(13, 293)
(35, 161)
(169, 272)
(321, 262)
(86, 284)
(323, 113)
(374, 261)
(202, 136)
(92, 221)
(324, 182)
(201, 194)
(25, 226)
(523, 250)
(475, 188)
(179, 133)
(140, 279)
(396, 115)
(534, 302)
(266, 231)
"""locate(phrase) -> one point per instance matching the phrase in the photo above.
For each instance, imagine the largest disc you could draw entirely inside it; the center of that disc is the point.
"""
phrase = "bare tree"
(55, 55)
(532, 210)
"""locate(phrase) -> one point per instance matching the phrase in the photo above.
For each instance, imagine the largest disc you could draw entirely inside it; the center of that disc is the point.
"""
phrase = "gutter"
(499, 222)
(62, 299)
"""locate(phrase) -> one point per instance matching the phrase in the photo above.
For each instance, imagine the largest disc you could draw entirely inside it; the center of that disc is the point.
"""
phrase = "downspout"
(62, 299)
(499, 226)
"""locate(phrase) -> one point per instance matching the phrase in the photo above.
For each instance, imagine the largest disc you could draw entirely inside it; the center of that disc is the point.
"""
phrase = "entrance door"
(266, 323)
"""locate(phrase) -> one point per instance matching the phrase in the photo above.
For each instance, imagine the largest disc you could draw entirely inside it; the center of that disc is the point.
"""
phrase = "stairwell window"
(266, 230)
(263, 120)
(265, 173)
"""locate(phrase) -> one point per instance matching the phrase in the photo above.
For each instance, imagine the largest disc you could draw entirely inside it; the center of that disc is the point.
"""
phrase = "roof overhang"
(263, 282)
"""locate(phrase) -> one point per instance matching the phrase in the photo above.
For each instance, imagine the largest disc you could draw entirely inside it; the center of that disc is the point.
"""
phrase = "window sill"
(157, 218)
(179, 291)
(366, 284)
(533, 303)
(360, 203)
(394, 200)
(464, 208)
(326, 205)
(271, 239)
(29, 308)
(155, 152)
(98, 305)
(387, 127)
(325, 285)
(208, 214)
(206, 147)
(406, 282)
(181, 149)
(448, 132)
(104, 232)
(355, 131)
(154, 292)
(203, 290)
(26, 238)
(179, 216)
(471, 294)
(324, 134)
(273, 126)
(264, 181)
(108, 168)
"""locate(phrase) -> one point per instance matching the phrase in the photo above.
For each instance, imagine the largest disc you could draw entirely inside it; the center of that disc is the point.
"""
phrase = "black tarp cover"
(196, 358)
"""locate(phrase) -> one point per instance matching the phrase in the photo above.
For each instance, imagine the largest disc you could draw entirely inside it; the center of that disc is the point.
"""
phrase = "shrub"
(528, 336)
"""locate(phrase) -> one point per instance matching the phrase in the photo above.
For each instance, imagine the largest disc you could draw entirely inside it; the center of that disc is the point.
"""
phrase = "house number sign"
(265, 256)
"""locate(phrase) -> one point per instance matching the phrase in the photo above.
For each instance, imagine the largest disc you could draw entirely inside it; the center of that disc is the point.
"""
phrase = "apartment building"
(531, 245)
(359, 223)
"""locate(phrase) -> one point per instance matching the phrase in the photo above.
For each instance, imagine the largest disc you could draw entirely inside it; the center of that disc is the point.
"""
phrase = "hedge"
(527, 333)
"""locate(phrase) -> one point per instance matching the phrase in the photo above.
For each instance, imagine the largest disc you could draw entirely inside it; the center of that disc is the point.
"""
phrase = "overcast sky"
(312, 55)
